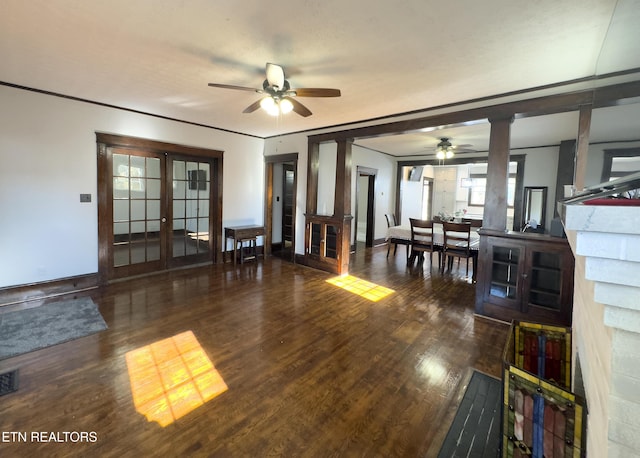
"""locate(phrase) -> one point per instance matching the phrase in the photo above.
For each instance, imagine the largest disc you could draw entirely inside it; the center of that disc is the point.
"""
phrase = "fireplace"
(606, 318)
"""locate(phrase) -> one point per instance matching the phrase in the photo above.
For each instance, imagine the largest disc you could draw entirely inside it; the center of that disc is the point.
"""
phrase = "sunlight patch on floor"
(362, 288)
(171, 377)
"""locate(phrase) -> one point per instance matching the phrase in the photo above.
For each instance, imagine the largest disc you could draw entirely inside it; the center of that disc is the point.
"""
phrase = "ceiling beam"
(598, 97)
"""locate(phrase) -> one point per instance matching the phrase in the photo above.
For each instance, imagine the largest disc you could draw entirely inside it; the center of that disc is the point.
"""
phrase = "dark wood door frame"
(105, 217)
(287, 167)
(370, 210)
(270, 161)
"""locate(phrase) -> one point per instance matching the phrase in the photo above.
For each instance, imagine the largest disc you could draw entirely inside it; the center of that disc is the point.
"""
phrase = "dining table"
(403, 232)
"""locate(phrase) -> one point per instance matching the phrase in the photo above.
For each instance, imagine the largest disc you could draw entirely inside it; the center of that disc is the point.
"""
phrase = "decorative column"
(342, 201)
(495, 202)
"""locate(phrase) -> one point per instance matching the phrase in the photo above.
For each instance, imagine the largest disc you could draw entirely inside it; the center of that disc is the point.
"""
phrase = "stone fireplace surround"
(606, 323)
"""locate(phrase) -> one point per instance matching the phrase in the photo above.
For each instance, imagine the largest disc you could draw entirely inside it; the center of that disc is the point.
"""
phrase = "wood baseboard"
(42, 290)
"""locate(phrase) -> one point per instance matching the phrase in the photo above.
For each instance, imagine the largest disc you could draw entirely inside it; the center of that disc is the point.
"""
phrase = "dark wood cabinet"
(324, 242)
(525, 276)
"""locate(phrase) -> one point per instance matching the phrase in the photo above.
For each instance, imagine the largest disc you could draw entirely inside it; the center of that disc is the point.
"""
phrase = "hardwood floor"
(311, 370)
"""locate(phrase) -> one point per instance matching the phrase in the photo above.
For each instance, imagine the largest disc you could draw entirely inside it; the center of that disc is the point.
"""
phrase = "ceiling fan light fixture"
(285, 106)
(440, 154)
(269, 105)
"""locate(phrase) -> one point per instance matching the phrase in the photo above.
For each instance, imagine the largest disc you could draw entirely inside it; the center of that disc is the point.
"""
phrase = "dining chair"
(457, 243)
(391, 219)
(422, 241)
(391, 222)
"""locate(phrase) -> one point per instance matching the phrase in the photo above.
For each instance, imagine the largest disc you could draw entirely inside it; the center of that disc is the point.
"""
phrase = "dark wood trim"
(217, 172)
(277, 158)
(268, 207)
(104, 226)
(300, 259)
(361, 170)
(47, 289)
(398, 204)
(123, 141)
(457, 161)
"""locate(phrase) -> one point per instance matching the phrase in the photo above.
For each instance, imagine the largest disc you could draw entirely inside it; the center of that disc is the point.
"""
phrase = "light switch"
(85, 197)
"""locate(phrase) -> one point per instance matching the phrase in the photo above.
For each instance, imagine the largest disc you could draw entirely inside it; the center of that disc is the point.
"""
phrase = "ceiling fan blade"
(275, 75)
(230, 86)
(253, 107)
(298, 107)
(316, 92)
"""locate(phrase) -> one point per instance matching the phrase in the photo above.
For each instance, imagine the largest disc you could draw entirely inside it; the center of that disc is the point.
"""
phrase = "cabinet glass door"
(545, 282)
(505, 271)
(323, 240)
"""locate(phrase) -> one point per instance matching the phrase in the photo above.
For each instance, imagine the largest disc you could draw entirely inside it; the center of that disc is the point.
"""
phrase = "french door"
(157, 210)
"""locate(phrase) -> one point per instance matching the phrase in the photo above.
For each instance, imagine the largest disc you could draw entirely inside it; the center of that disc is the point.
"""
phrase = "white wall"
(48, 157)
(384, 199)
(327, 178)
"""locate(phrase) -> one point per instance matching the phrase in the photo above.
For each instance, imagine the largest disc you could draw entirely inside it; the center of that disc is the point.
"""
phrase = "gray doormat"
(31, 329)
(475, 430)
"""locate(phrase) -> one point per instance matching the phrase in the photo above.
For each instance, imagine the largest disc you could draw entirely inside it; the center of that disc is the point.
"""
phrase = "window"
(479, 186)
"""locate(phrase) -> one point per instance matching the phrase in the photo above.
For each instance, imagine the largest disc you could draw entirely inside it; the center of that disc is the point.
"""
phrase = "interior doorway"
(365, 206)
(281, 183)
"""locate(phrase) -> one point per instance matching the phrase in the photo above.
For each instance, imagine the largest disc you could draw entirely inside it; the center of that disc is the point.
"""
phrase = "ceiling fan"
(446, 150)
(279, 98)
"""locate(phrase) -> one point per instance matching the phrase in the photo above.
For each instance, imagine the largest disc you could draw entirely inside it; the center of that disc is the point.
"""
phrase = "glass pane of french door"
(137, 210)
(191, 203)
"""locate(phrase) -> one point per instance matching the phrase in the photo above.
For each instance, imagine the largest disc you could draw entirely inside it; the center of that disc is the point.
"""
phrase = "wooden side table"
(239, 233)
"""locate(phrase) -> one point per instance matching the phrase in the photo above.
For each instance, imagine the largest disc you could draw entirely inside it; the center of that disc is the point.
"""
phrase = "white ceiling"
(157, 56)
